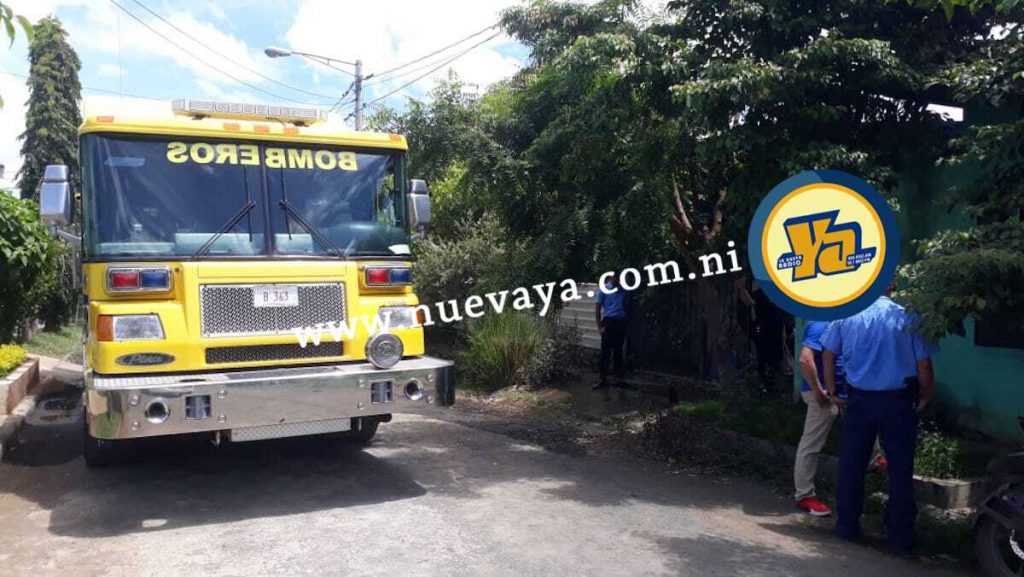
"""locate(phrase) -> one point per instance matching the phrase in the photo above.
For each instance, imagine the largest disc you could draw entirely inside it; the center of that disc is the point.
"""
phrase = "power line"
(438, 51)
(90, 89)
(408, 73)
(202, 61)
(222, 55)
(432, 70)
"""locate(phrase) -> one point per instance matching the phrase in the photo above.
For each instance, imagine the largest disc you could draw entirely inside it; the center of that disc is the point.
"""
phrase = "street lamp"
(357, 85)
(276, 52)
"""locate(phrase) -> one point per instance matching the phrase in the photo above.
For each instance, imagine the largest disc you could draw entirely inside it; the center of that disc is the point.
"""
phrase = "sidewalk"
(54, 375)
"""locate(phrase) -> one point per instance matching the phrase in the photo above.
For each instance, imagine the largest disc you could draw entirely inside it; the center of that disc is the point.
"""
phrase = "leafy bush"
(554, 358)
(28, 263)
(454, 269)
(10, 357)
(515, 349)
(938, 456)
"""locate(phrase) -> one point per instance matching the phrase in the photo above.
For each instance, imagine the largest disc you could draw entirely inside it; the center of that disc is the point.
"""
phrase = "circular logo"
(823, 245)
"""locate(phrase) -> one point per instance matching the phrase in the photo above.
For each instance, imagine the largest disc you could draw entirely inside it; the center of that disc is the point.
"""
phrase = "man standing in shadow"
(610, 312)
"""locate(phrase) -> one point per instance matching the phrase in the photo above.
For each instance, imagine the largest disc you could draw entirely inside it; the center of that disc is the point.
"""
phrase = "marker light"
(138, 279)
(155, 279)
(401, 276)
(376, 276)
(388, 276)
(124, 279)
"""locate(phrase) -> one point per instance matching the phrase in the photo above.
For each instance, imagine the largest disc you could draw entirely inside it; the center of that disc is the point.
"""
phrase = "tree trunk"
(709, 297)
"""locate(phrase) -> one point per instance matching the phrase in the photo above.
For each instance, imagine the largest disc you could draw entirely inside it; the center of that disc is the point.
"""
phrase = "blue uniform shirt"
(879, 345)
(612, 305)
(813, 332)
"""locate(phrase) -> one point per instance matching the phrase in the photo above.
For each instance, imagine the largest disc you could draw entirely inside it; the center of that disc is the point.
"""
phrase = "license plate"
(275, 295)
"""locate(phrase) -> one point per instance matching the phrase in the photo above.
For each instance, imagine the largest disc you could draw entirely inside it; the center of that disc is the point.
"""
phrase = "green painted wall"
(980, 388)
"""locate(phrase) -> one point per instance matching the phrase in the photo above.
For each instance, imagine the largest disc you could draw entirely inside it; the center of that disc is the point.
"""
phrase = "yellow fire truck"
(215, 233)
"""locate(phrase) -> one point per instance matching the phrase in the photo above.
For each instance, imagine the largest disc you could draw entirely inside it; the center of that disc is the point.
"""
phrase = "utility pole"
(359, 95)
(357, 85)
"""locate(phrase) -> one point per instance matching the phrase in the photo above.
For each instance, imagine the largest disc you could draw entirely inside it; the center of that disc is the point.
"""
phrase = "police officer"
(882, 354)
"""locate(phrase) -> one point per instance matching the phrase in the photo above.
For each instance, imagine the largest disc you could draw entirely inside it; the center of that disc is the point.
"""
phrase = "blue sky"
(119, 54)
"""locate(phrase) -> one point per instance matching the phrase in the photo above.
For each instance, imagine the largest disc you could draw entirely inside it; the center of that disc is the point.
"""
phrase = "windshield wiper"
(291, 211)
(246, 209)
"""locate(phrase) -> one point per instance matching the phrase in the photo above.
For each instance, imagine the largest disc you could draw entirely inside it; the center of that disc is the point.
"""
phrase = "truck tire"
(105, 452)
(365, 433)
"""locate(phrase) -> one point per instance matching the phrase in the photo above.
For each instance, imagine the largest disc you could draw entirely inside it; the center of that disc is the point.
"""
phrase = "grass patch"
(518, 396)
(771, 420)
(65, 342)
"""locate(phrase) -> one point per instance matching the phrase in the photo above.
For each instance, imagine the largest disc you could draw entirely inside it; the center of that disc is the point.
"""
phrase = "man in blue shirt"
(610, 311)
(818, 422)
(882, 353)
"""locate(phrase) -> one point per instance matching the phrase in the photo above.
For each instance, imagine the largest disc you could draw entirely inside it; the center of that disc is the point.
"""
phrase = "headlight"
(400, 317)
(384, 350)
(129, 328)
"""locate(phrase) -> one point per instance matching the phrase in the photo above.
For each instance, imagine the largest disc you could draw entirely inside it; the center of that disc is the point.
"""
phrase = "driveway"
(428, 497)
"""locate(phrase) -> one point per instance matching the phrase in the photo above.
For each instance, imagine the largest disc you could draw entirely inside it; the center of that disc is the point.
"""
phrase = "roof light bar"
(242, 111)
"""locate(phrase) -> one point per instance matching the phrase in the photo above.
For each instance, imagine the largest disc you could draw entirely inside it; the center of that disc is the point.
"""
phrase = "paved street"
(429, 497)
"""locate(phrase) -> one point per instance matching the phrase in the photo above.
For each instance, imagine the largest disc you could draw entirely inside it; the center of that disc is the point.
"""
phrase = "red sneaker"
(814, 506)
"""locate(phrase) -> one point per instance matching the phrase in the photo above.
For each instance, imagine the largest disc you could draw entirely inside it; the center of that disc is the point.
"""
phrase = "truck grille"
(227, 310)
(252, 353)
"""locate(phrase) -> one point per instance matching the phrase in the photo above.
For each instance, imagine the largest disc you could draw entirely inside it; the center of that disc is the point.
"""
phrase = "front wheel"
(363, 430)
(999, 549)
(106, 452)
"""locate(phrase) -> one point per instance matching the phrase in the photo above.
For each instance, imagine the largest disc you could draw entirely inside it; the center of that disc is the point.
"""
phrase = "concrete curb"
(18, 384)
(9, 424)
(940, 493)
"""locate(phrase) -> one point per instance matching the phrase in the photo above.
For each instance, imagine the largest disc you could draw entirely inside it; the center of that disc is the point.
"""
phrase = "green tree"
(973, 273)
(29, 268)
(8, 18)
(51, 123)
(685, 123)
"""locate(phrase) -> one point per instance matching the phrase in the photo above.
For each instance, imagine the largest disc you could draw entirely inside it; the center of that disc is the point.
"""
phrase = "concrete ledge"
(951, 493)
(9, 424)
(940, 493)
(17, 385)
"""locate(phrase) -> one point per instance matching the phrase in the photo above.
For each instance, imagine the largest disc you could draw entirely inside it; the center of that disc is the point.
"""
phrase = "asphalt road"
(428, 497)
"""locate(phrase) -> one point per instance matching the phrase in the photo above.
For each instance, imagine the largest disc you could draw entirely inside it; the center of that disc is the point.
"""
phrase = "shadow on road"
(184, 481)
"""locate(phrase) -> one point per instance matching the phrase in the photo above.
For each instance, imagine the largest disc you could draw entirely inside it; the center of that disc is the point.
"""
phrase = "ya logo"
(822, 246)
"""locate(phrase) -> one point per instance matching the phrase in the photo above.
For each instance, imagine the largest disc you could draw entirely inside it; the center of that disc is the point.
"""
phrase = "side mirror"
(418, 204)
(55, 206)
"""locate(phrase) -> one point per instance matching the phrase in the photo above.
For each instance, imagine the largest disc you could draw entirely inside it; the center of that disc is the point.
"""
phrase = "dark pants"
(892, 416)
(611, 345)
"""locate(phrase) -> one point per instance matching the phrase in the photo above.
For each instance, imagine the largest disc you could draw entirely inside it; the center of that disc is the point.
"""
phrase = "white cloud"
(109, 70)
(388, 33)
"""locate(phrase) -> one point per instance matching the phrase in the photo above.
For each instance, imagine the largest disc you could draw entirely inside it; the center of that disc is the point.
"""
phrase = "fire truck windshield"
(185, 197)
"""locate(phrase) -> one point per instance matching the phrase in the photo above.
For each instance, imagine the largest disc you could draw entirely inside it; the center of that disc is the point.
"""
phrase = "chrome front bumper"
(117, 406)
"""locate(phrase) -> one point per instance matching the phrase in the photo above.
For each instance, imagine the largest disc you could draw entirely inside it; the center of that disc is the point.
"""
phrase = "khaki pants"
(817, 425)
